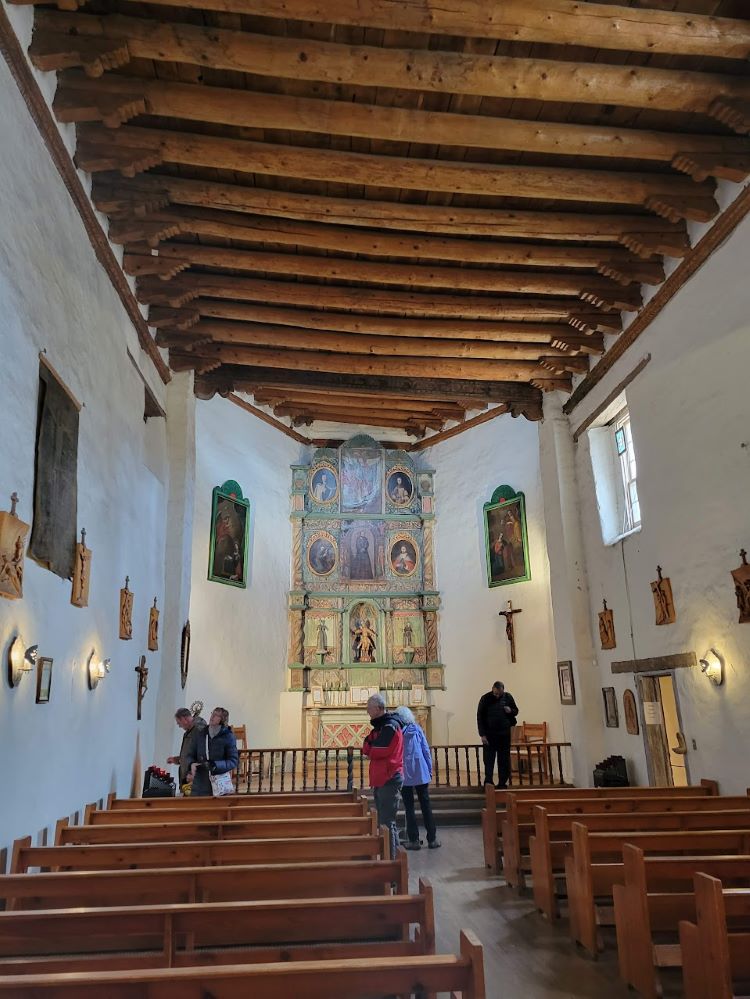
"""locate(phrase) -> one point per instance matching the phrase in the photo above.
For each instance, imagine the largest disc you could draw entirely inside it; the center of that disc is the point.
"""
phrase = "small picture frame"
(566, 682)
(417, 694)
(316, 695)
(611, 714)
(43, 679)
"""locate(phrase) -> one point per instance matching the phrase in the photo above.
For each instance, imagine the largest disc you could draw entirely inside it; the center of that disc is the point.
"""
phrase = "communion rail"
(345, 768)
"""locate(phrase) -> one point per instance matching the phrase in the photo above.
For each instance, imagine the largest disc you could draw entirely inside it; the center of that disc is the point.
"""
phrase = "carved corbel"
(151, 232)
(77, 104)
(732, 112)
(564, 363)
(628, 299)
(120, 201)
(174, 294)
(94, 157)
(646, 244)
(675, 208)
(51, 51)
(165, 268)
(172, 319)
(648, 272)
(725, 166)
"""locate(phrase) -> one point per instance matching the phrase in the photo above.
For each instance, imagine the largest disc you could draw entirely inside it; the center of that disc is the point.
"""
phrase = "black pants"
(412, 829)
(499, 746)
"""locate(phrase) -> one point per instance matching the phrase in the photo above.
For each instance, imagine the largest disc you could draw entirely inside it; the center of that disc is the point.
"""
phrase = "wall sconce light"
(712, 664)
(97, 669)
(20, 660)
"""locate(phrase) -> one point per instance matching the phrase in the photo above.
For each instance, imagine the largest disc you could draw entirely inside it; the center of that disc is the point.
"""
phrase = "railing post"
(349, 768)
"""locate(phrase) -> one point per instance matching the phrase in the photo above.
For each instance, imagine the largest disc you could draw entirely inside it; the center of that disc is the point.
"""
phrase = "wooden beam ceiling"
(395, 212)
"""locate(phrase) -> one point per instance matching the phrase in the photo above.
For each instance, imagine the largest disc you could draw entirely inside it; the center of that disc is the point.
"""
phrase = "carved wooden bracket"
(182, 341)
(52, 50)
(74, 104)
(648, 272)
(165, 268)
(608, 322)
(172, 319)
(591, 343)
(628, 299)
(559, 365)
(675, 208)
(120, 201)
(733, 112)
(151, 232)
(727, 166)
(95, 157)
(552, 384)
(175, 295)
(646, 244)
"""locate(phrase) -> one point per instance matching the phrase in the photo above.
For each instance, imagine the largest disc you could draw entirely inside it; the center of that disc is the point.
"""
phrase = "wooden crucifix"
(142, 671)
(509, 629)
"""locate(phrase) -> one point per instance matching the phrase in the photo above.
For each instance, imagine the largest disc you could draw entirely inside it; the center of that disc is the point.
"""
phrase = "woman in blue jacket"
(214, 751)
(417, 777)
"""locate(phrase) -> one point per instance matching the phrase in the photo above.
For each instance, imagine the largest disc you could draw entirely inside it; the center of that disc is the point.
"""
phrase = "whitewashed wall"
(690, 415)
(239, 636)
(55, 297)
(472, 635)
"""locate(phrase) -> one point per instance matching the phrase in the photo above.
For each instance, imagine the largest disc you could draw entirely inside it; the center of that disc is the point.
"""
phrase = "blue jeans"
(386, 806)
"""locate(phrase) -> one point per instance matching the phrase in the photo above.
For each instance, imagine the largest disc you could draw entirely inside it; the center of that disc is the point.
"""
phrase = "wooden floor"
(525, 957)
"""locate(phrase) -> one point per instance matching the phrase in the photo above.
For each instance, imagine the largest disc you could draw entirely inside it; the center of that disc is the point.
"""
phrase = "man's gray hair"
(183, 713)
(377, 699)
(405, 715)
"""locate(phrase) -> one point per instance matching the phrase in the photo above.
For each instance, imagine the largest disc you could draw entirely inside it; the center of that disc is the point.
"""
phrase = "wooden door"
(663, 739)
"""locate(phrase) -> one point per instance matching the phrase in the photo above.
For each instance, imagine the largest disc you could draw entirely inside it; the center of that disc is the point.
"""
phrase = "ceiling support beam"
(132, 150)
(553, 22)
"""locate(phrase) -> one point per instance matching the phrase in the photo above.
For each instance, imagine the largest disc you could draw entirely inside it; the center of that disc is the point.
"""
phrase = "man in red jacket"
(385, 748)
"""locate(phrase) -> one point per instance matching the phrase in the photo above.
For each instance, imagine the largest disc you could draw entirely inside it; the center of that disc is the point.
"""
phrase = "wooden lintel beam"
(175, 257)
(348, 400)
(361, 416)
(115, 99)
(410, 367)
(132, 149)
(520, 397)
(188, 287)
(553, 22)
(646, 234)
(229, 334)
(156, 227)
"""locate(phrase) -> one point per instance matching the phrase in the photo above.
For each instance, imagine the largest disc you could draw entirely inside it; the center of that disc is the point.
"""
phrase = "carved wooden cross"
(13, 503)
(509, 629)
(142, 671)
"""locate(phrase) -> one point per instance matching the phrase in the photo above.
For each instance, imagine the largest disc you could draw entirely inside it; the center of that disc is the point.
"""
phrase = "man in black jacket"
(496, 716)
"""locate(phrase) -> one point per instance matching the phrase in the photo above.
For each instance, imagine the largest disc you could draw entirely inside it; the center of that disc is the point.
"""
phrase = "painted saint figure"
(398, 491)
(365, 638)
(322, 645)
(361, 567)
(324, 486)
(403, 562)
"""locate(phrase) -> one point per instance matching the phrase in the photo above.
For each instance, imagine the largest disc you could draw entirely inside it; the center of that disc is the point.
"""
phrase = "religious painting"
(324, 484)
(361, 480)
(362, 550)
(611, 714)
(661, 589)
(230, 526)
(630, 710)
(126, 612)
(399, 486)
(506, 542)
(566, 682)
(607, 628)
(322, 553)
(79, 595)
(43, 679)
(741, 579)
(404, 557)
(153, 629)
(12, 551)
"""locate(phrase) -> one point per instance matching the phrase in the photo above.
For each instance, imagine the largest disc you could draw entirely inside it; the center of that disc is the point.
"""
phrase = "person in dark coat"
(214, 752)
(496, 715)
(384, 747)
(417, 777)
(192, 726)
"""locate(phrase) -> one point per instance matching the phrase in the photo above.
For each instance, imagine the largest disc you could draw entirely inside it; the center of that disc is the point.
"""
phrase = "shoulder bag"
(221, 784)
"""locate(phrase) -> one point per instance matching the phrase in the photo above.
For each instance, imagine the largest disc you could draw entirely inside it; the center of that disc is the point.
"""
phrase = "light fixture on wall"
(97, 669)
(712, 664)
(20, 660)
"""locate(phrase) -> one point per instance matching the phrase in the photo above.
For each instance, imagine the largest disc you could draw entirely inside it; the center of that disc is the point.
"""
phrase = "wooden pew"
(715, 956)
(142, 856)
(588, 880)
(496, 803)
(550, 843)
(235, 813)
(165, 935)
(153, 832)
(204, 884)
(231, 800)
(656, 895)
(369, 978)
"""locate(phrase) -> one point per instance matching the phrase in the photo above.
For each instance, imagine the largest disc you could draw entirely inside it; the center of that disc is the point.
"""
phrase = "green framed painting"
(230, 531)
(505, 540)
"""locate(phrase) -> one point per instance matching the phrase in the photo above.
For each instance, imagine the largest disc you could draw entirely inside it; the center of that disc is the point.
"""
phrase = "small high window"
(615, 471)
(623, 441)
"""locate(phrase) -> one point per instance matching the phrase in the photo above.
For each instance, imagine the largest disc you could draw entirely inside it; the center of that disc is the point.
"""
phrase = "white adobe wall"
(691, 428)
(239, 636)
(54, 296)
(472, 635)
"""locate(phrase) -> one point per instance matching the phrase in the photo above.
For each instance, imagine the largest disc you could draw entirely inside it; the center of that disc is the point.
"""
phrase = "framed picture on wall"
(611, 714)
(230, 527)
(505, 540)
(43, 679)
(566, 682)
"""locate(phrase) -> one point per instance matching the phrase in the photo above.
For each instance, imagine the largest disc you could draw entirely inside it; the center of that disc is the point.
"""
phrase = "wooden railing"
(345, 768)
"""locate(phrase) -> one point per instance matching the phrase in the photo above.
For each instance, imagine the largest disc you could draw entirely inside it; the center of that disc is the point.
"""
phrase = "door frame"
(655, 674)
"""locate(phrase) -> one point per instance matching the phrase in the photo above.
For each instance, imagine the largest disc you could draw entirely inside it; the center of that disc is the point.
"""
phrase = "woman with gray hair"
(214, 752)
(417, 777)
